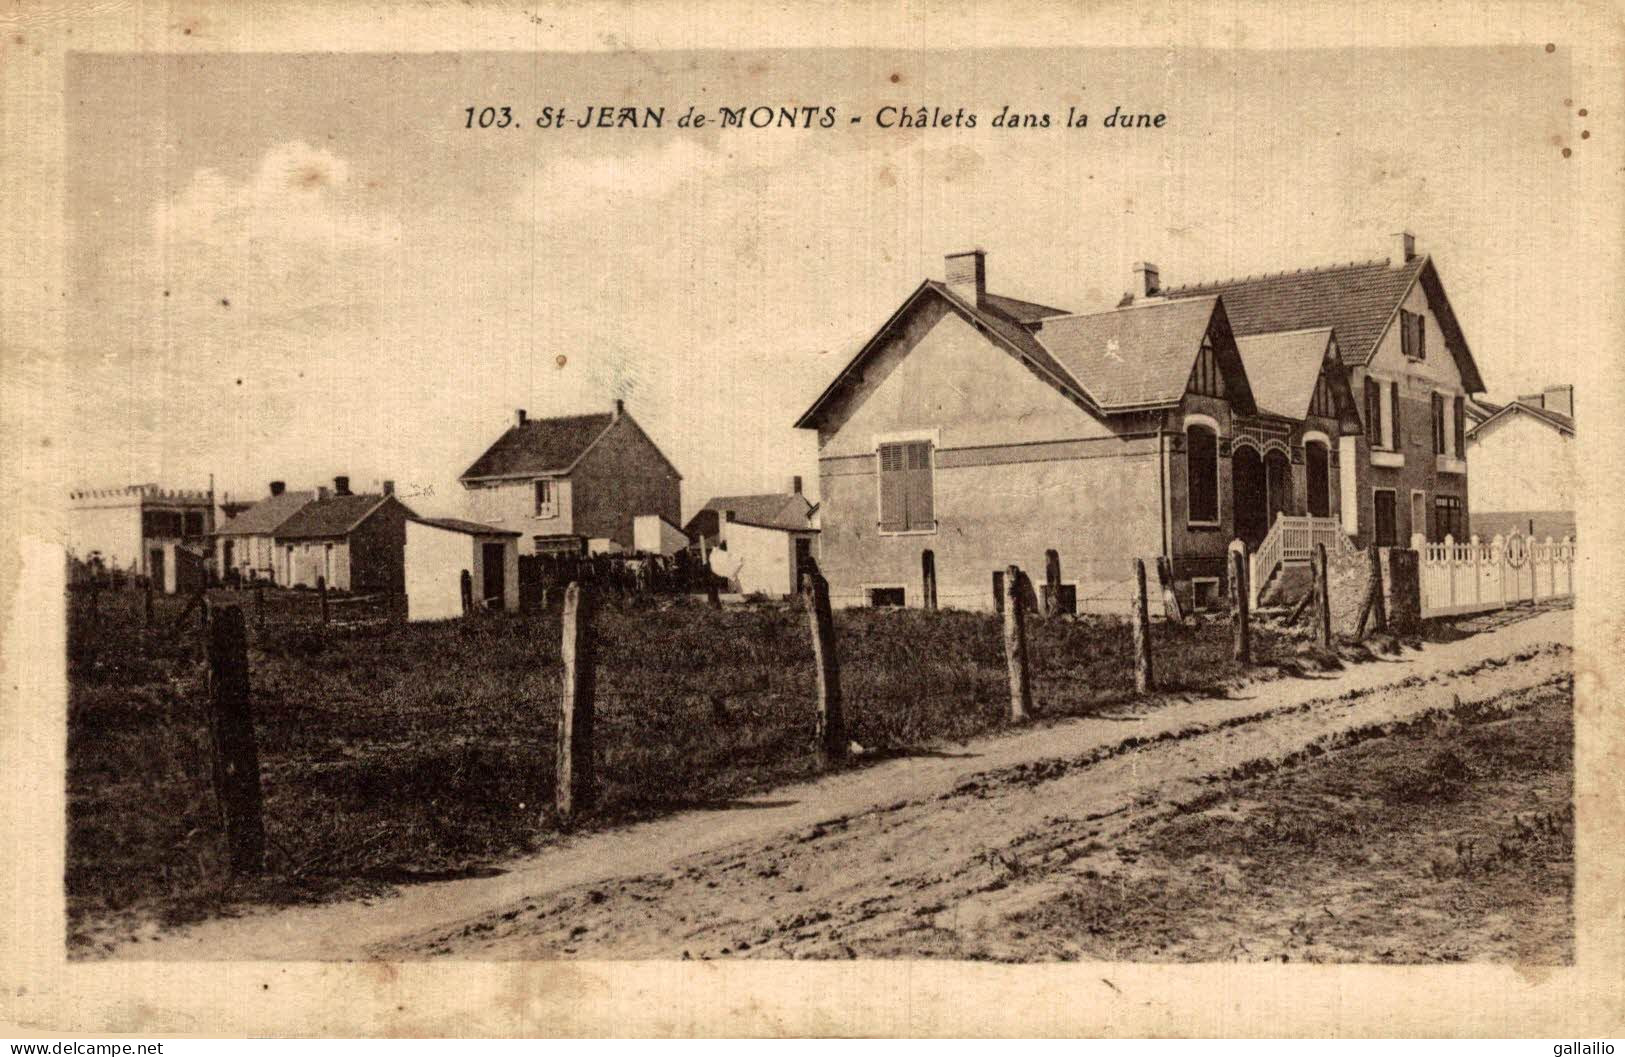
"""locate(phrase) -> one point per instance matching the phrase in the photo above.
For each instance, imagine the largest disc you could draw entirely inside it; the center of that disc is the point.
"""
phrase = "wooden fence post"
(827, 665)
(236, 758)
(466, 581)
(1240, 633)
(1323, 607)
(321, 590)
(928, 579)
(1144, 682)
(573, 785)
(1015, 646)
(1172, 607)
(1373, 607)
(1052, 582)
(147, 601)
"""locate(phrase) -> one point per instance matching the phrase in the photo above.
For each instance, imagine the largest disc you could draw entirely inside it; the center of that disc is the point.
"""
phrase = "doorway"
(1248, 496)
(155, 568)
(1278, 480)
(804, 562)
(493, 574)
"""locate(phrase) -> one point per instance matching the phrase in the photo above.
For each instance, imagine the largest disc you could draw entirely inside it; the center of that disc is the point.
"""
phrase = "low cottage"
(353, 542)
(246, 545)
(1523, 457)
(760, 544)
(440, 552)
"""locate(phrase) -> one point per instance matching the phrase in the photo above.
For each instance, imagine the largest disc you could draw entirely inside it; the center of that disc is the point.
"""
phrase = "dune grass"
(393, 752)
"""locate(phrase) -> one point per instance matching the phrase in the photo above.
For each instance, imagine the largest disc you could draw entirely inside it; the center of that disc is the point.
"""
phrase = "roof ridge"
(1386, 262)
(1152, 302)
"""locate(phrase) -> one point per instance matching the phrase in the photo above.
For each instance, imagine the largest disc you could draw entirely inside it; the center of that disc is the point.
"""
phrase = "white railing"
(1291, 541)
(1474, 576)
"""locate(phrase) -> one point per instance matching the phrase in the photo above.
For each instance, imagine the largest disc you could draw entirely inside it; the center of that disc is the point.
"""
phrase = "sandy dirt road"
(963, 839)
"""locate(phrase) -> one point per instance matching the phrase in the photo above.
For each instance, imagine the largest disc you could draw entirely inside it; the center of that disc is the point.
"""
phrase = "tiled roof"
(1555, 419)
(541, 445)
(1357, 300)
(471, 528)
(1132, 357)
(1283, 368)
(336, 515)
(266, 516)
(1019, 311)
(778, 510)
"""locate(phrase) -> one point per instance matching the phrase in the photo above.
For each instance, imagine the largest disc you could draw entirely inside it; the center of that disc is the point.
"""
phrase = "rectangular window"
(546, 499)
(1447, 518)
(1413, 334)
(886, 596)
(1202, 475)
(1205, 593)
(1437, 406)
(1373, 413)
(1386, 532)
(1396, 434)
(907, 502)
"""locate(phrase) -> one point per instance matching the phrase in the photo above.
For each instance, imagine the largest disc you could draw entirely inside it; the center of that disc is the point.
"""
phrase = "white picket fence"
(1478, 575)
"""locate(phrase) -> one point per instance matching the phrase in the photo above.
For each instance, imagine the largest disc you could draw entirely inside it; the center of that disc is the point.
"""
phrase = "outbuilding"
(441, 551)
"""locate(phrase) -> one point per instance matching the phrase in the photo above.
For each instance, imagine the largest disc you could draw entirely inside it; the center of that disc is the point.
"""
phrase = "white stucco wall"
(1521, 464)
(653, 534)
(434, 562)
(757, 560)
(511, 505)
(311, 559)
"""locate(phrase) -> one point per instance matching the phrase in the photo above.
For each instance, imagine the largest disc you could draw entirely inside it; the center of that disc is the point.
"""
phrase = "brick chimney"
(620, 407)
(519, 416)
(1559, 398)
(795, 484)
(341, 485)
(278, 487)
(1404, 248)
(389, 487)
(966, 274)
(1147, 283)
(321, 491)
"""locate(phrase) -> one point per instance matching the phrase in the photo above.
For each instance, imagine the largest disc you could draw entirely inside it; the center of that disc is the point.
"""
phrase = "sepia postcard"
(833, 520)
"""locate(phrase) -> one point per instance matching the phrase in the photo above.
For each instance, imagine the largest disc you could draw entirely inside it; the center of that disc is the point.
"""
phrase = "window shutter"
(1421, 337)
(1373, 413)
(1393, 413)
(919, 512)
(1459, 409)
(893, 510)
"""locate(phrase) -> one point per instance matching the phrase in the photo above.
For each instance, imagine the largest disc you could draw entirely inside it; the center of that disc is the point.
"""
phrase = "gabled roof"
(1284, 367)
(337, 515)
(1141, 356)
(1004, 329)
(1555, 419)
(540, 446)
(266, 516)
(470, 528)
(789, 511)
(1358, 300)
(1479, 409)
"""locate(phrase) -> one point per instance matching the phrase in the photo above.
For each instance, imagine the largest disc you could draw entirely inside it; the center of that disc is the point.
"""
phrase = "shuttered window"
(1413, 334)
(1202, 473)
(1396, 438)
(1373, 413)
(906, 500)
(1437, 403)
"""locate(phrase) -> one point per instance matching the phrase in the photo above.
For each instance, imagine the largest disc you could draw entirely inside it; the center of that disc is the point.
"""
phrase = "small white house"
(653, 534)
(440, 550)
(1524, 466)
(758, 543)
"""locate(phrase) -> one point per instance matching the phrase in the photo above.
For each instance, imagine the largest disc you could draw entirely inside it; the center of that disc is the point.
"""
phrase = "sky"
(297, 266)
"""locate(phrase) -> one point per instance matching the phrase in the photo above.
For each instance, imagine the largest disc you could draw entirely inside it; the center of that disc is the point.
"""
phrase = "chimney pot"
(966, 274)
(620, 407)
(519, 416)
(341, 485)
(1404, 247)
(795, 484)
(1147, 282)
(278, 487)
(321, 491)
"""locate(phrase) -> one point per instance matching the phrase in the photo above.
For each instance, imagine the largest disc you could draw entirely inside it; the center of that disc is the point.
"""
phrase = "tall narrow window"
(1373, 413)
(1202, 474)
(1384, 509)
(1437, 406)
(546, 499)
(1317, 478)
(1396, 433)
(907, 502)
(1413, 334)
